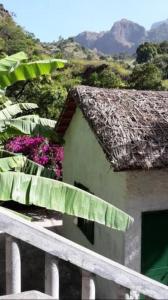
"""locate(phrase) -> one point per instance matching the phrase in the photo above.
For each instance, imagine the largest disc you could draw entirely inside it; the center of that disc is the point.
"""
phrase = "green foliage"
(146, 52)
(20, 163)
(146, 77)
(14, 39)
(59, 196)
(105, 79)
(13, 110)
(12, 68)
(163, 48)
(10, 63)
(46, 93)
(165, 84)
(161, 61)
(109, 79)
(14, 127)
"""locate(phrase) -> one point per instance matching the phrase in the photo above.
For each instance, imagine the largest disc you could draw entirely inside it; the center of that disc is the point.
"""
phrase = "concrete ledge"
(27, 295)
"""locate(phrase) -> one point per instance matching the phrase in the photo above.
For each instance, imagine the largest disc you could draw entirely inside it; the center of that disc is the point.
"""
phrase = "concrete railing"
(57, 247)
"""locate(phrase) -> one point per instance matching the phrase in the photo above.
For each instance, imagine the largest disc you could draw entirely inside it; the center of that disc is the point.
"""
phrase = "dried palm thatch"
(131, 126)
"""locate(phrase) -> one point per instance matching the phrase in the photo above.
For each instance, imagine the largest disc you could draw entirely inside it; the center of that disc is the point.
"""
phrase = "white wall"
(146, 191)
(85, 162)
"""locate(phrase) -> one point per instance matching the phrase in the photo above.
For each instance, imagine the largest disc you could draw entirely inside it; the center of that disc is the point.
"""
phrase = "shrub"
(146, 77)
(40, 150)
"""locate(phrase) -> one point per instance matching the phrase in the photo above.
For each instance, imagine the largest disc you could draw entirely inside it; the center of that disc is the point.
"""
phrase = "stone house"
(116, 147)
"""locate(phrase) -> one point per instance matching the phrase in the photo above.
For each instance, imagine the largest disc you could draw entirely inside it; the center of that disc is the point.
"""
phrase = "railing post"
(131, 295)
(13, 266)
(88, 286)
(51, 276)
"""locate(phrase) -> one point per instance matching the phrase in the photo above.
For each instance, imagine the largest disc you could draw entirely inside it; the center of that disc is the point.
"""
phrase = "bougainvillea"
(40, 150)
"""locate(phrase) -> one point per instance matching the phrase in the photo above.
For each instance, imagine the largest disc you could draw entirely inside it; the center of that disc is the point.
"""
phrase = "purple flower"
(40, 150)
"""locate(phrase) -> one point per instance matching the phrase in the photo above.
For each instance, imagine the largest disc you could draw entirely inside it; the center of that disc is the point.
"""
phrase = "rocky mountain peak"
(124, 37)
(3, 12)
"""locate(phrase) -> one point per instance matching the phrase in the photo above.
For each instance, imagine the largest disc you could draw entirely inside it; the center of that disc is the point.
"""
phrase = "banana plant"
(14, 127)
(16, 68)
(26, 182)
(19, 163)
(12, 110)
(52, 194)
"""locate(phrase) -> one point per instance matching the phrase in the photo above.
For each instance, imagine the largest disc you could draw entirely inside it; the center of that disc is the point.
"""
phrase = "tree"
(109, 79)
(161, 62)
(106, 79)
(146, 77)
(48, 94)
(146, 52)
(163, 47)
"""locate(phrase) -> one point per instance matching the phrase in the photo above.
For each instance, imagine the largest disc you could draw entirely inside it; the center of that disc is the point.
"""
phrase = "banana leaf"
(11, 128)
(7, 103)
(36, 119)
(9, 63)
(12, 110)
(25, 71)
(14, 162)
(32, 168)
(5, 153)
(62, 197)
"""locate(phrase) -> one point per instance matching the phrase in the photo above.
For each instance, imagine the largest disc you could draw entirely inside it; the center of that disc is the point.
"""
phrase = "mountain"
(158, 33)
(124, 37)
(157, 24)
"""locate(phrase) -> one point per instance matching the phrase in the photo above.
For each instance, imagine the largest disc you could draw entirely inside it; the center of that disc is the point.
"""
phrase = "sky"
(49, 19)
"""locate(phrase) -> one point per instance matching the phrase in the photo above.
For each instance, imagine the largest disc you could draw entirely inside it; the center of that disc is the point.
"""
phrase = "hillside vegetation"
(147, 70)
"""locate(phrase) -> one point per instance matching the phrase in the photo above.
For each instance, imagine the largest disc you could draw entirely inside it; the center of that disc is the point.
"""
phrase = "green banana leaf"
(5, 153)
(62, 197)
(17, 162)
(32, 168)
(36, 119)
(11, 128)
(12, 163)
(25, 71)
(7, 103)
(12, 110)
(9, 63)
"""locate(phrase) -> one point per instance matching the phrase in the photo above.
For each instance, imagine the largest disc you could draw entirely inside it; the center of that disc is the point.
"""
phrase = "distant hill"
(70, 49)
(124, 37)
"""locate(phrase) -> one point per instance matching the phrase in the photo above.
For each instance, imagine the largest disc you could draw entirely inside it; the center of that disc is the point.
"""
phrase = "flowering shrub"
(40, 150)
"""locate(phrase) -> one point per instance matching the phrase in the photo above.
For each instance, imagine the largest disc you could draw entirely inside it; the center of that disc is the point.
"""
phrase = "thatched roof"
(131, 126)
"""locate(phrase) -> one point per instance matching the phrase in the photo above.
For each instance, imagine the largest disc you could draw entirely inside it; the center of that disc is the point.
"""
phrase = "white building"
(116, 147)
